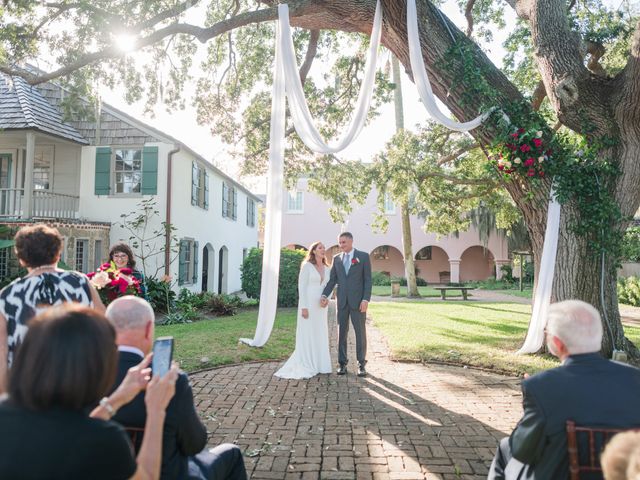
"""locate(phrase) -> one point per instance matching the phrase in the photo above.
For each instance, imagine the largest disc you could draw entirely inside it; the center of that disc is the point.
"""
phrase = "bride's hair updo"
(311, 255)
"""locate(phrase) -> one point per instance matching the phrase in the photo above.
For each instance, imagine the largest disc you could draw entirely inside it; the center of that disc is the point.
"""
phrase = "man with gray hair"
(184, 436)
(587, 389)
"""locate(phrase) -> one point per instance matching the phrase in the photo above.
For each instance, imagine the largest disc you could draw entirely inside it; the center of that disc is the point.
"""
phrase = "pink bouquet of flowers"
(525, 153)
(112, 282)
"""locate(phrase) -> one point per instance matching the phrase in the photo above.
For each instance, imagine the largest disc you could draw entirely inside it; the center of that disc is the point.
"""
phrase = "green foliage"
(161, 296)
(629, 291)
(631, 245)
(290, 261)
(420, 282)
(380, 279)
(223, 305)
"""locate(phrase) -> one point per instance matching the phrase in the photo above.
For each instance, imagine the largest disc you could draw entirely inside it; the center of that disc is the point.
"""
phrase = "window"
(82, 252)
(188, 262)
(199, 186)
(229, 201)
(97, 254)
(4, 262)
(295, 202)
(42, 159)
(389, 206)
(251, 212)
(424, 254)
(128, 170)
(381, 253)
(5, 170)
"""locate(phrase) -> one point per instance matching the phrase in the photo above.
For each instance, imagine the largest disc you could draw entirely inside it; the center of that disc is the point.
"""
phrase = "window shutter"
(149, 171)
(225, 198)
(248, 208)
(196, 252)
(235, 203)
(194, 184)
(206, 189)
(181, 262)
(103, 171)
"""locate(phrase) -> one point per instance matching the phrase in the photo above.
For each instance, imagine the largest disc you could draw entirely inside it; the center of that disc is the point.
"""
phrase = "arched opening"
(223, 260)
(432, 264)
(387, 259)
(208, 268)
(295, 246)
(476, 263)
(332, 252)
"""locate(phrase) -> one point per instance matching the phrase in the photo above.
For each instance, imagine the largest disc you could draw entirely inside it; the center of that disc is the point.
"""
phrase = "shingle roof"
(23, 107)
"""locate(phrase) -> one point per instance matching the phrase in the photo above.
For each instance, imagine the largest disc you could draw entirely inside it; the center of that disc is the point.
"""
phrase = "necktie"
(345, 262)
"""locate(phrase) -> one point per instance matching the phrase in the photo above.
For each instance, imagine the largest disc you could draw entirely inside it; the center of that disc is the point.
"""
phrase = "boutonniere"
(355, 261)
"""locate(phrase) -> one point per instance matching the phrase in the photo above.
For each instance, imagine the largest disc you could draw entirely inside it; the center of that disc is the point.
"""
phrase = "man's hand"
(305, 313)
(363, 306)
(324, 302)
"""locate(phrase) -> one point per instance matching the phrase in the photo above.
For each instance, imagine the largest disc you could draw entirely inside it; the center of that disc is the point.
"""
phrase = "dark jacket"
(184, 434)
(353, 287)
(587, 389)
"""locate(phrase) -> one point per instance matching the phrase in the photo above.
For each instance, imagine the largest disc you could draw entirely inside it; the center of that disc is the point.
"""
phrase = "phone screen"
(162, 355)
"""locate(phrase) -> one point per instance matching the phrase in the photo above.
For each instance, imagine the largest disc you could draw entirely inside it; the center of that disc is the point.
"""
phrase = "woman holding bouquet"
(38, 248)
(122, 256)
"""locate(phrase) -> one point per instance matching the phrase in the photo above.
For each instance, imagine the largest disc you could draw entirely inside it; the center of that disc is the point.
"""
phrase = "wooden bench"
(443, 291)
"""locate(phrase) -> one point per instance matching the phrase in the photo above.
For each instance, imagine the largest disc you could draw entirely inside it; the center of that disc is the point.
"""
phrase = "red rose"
(521, 130)
(122, 285)
(531, 172)
(500, 167)
(126, 271)
(514, 135)
(511, 170)
(354, 261)
(91, 275)
(529, 162)
(541, 173)
(525, 148)
(537, 142)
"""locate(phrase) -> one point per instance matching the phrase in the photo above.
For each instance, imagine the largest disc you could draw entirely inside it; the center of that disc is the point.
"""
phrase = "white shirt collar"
(130, 349)
(350, 252)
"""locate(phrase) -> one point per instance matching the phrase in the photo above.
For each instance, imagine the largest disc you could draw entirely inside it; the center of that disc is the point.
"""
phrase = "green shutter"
(194, 184)
(225, 199)
(181, 262)
(103, 171)
(150, 170)
(235, 203)
(206, 190)
(196, 252)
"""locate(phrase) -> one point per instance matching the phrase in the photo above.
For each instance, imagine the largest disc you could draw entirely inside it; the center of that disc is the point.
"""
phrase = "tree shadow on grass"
(499, 327)
(484, 306)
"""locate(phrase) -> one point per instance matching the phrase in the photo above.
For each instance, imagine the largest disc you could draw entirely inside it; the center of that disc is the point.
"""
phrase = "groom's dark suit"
(353, 288)
(184, 436)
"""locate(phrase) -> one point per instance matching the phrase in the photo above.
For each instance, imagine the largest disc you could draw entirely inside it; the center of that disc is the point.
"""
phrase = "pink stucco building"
(439, 260)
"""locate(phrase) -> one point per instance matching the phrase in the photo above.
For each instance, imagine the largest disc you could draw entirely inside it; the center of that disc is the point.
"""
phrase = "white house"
(82, 175)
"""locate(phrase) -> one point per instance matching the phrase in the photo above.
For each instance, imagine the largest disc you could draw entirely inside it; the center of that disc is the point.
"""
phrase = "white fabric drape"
(422, 79)
(542, 300)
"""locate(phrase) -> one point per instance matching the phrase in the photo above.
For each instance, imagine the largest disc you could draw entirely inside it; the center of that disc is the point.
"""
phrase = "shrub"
(629, 291)
(381, 279)
(507, 273)
(160, 295)
(290, 261)
(420, 282)
(631, 245)
(224, 305)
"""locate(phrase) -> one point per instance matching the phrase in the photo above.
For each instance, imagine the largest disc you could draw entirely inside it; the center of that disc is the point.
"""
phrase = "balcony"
(45, 204)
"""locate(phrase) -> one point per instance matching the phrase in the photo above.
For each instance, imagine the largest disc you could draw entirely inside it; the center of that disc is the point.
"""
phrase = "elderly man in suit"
(351, 271)
(586, 388)
(184, 436)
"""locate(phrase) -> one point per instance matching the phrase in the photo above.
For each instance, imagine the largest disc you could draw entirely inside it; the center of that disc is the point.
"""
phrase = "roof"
(23, 107)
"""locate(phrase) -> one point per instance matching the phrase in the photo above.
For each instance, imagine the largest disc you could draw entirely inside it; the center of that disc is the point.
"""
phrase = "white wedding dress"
(311, 355)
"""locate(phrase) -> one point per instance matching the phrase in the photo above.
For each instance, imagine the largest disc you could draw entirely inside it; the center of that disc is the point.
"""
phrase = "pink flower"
(500, 166)
(525, 148)
(529, 162)
(531, 172)
(541, 173)
(521, 130)
(514, 135)
(537, 142)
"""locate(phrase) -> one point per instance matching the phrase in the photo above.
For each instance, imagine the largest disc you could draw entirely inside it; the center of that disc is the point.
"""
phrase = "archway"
(223, 260)
(208, 268)
(476, 263)
(432, 264)
(295, 246)
(387, 259)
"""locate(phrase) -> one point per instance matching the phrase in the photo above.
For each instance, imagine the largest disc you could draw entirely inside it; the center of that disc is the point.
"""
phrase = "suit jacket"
(184, 434)
(354, 286)
(587, 389)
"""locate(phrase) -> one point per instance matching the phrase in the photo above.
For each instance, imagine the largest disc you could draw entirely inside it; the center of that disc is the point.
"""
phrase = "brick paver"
(402, 422)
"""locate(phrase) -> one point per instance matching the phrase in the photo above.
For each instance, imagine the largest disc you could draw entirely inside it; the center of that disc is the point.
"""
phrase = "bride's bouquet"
(112, 282)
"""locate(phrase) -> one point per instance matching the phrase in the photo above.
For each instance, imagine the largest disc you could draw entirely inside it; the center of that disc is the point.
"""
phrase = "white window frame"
(201, 187)
(4, 262)
(114, 173)
(97, 253)
(39, 150)
(389, 205)
(230, 203)
(295, 201)
(251, 212)
(85, 255)
(190, 263)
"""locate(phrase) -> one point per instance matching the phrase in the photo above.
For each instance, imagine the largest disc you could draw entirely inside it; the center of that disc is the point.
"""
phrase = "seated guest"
(184, 435)
(617, 455)
(38, 249)
(633, 469)
(586, 388)
(66, 364)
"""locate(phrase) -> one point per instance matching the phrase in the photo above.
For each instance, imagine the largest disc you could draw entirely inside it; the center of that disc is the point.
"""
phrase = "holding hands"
(305, 313)
(324, 301)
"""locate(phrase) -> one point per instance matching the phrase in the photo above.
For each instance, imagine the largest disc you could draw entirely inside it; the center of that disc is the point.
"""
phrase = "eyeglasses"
(120, 255)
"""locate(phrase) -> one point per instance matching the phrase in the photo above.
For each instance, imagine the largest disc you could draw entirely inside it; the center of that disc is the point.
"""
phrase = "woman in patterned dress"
(38, 249)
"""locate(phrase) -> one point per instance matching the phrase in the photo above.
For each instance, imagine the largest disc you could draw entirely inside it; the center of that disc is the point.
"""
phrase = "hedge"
(290, 261)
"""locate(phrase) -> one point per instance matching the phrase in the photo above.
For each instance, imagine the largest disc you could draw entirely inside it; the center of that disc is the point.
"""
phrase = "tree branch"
(312, 49)
(455, 180)
(468, 13)
(539, 94)
(452, 156)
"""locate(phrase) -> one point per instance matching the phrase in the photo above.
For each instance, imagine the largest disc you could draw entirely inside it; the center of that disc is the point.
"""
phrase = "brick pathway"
(404, 421)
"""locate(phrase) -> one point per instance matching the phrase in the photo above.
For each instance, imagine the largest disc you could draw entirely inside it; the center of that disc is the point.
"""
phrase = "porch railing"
(45, 204)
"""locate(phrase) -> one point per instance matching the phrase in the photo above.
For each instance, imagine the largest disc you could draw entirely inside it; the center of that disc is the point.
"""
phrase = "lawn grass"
(526, 293)
(217, 339)
(477, 334)
(385, 291)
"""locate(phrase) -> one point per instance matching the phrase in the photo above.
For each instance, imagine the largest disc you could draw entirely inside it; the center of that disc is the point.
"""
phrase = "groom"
(351, 271)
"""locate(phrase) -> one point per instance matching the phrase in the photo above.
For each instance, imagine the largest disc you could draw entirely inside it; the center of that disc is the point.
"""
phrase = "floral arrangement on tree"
(112, 282)
(525, 153)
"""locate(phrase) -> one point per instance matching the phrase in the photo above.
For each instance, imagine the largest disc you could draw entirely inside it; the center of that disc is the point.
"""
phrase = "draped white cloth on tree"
(287, 82)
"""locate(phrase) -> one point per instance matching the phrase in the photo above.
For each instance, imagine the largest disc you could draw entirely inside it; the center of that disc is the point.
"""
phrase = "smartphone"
(162, 356)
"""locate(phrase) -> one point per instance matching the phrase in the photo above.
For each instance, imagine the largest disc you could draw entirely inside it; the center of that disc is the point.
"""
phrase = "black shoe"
(361, 371)
(342, 370)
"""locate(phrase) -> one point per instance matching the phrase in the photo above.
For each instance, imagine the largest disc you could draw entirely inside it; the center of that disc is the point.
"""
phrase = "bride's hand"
(305, 313)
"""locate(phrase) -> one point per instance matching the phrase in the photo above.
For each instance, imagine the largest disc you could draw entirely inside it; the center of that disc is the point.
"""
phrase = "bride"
(311, 355)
